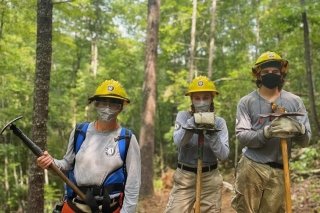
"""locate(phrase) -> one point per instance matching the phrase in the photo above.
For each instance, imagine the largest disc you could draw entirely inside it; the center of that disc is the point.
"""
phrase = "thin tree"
(308, 64)
(2, 14)
(40, 101)
(147, 131)
(256, 27)
(212, 31)
(95, 30)
(193, 41)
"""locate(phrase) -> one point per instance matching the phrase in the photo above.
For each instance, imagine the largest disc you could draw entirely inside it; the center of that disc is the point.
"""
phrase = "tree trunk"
(40, 102)
(95, 31)
(212, 31)
(21, 176)
(6, 183)
(75, 68)
(6, 176)
(308, 64)
(256, 27)
(1, 22)
(147, 131)
(94, 56)
(15, 175)
(193, 41)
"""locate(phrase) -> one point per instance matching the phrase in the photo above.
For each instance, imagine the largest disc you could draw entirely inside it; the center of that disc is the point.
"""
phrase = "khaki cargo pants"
(183, 194)
(259, 188)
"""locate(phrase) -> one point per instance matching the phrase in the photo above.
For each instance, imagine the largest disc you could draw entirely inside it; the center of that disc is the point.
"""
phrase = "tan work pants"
(183, 194)
(259, 188)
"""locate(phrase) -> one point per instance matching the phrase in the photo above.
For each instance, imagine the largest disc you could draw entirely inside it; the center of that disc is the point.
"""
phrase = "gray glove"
(212, 135)
(284, 127)
(190, 124)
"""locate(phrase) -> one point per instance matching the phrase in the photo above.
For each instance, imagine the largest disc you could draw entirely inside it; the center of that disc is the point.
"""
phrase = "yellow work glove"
(284, 127)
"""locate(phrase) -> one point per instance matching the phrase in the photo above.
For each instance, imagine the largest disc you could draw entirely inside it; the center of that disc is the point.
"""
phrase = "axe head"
(9, 124)
(284, 114)
(199, 130)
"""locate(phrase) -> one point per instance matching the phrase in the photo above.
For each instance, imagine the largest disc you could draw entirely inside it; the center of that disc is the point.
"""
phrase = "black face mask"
(271, 80)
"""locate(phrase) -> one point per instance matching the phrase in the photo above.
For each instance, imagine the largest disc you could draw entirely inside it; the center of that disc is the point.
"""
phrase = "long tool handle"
(199, 172)
(54, 168)
(284, 150)
(38, 152)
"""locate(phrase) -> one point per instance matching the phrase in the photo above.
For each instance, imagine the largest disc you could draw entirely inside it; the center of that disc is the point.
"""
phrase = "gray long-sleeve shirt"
(216, 146)
(249, 126)
(98, 156)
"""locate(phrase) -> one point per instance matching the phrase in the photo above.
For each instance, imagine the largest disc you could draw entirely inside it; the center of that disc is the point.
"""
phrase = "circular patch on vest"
(110, 151)
(177, 126)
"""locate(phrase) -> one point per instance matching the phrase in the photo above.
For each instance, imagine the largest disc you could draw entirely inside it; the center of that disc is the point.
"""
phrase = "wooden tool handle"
(67, 181)
(286, 173)
(199, 172)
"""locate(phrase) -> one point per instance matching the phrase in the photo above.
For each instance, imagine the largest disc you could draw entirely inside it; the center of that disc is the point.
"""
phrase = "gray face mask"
(201, 106)
(106, 113)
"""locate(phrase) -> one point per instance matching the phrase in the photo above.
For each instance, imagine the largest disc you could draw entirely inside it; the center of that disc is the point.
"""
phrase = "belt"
(76, 200)
(275, 165)
(194, 170)
(113, 201)
(102, 190)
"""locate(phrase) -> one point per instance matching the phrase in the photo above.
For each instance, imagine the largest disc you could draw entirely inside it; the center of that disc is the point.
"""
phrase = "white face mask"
(201, 106)
(106, 113)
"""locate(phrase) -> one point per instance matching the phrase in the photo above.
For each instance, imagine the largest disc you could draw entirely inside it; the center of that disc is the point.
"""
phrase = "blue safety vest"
(114, 182)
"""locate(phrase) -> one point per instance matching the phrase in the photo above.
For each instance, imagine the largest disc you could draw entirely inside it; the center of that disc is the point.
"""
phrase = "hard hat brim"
(108, 96)
(214, 92)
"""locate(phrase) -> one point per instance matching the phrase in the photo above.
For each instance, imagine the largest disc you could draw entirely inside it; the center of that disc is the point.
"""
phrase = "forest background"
(94, 40)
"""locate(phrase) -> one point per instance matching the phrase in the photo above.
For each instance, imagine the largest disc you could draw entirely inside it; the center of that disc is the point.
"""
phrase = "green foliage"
(174, 95)
(52, 195)
(309, 159)
(14, 188)
(157, 184)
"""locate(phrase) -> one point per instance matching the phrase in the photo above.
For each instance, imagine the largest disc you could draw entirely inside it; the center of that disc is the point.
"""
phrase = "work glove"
(190, 124)
(213, 136)
(284, 127)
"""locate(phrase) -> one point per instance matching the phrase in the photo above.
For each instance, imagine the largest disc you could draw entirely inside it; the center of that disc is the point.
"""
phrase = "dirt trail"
(158, 202)
(305, 194)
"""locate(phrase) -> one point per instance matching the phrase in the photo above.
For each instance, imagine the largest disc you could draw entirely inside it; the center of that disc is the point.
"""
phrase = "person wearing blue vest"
(216, 147)
(102, 158)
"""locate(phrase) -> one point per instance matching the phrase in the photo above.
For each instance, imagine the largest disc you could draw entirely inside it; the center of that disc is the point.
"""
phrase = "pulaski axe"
(281, 112)
(88, 198)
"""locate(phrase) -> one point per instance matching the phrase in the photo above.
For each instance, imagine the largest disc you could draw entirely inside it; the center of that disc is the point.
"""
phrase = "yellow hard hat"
(110, 89)
(201, 84)
(269, 58)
